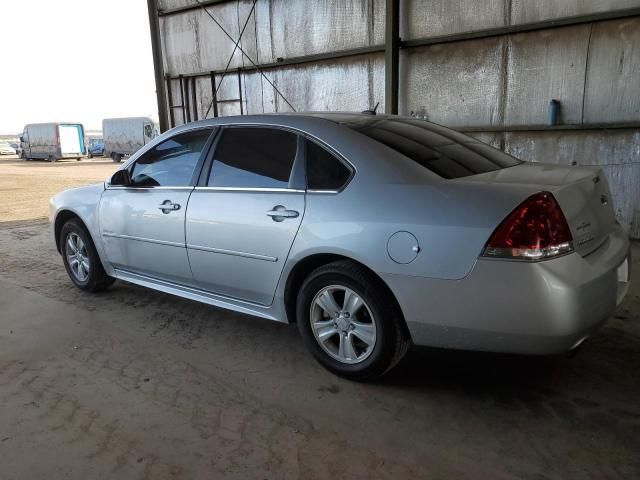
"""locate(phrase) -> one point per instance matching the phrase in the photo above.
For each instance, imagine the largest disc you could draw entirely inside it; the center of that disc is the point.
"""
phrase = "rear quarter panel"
(452, 223)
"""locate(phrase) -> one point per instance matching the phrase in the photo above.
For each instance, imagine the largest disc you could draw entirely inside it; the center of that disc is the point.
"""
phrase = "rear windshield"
(445, 152)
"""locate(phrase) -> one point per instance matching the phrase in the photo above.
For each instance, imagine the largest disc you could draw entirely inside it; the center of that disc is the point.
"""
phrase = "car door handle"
(279, 213)
(168, 206)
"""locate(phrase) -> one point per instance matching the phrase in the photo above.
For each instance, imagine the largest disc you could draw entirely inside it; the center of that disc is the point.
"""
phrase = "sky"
(74, 60)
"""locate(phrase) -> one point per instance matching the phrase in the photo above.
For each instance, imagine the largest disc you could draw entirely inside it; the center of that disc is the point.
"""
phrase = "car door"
(245, 213)
(142, 225)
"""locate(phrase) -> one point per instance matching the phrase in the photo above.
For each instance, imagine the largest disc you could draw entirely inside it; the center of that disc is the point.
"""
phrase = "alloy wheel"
(77, 257)
(342, 324)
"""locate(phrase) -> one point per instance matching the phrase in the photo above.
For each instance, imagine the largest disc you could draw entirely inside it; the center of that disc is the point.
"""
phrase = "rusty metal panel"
(344, 85)
(624, 181)
(617, 152)
(495, 139)
(180, 43)
(194, 43)
(290, 29)
(456, 84)
(527, 11)
(613, 76)
(203, 97)
(545, 65)
(213, 46)
(259, 95)
(432, 18)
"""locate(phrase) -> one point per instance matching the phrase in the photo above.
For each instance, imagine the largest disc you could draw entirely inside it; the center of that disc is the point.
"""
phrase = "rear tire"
(365, 335)
(81, 259)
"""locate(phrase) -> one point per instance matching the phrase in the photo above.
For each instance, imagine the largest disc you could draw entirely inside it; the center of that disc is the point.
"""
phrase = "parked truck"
(124, 136)
(52, 141)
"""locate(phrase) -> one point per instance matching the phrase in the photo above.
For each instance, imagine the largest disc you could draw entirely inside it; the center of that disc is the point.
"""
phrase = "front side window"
(170, 163)
(253, 157)
(324, 170)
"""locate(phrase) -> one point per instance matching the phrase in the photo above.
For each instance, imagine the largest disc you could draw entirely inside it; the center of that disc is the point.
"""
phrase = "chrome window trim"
(235, 253)
(120, 187)
(251, 189)
(326, 192)
(143, 239)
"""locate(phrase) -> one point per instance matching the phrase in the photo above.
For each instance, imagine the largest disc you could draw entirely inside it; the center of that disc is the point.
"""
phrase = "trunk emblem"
(604, 200)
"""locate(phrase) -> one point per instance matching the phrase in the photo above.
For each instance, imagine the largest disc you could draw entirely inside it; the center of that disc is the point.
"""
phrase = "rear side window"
(170, 163)
(253, 157)
(324, 170)
(434, 147)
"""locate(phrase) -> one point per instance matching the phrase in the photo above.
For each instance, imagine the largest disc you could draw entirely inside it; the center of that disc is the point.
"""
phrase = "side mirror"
(121, 178)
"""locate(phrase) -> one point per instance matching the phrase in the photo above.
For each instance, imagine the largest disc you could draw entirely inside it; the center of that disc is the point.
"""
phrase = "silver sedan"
(371, 232)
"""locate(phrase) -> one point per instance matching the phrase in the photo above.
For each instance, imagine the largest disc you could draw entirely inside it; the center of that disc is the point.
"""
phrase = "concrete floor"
(136, 384)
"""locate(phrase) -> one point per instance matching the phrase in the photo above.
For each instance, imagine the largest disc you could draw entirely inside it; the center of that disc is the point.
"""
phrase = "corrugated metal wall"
(497, 86)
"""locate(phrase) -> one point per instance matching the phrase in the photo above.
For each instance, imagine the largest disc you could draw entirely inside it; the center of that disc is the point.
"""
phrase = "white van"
(125, 136)
(52, 141)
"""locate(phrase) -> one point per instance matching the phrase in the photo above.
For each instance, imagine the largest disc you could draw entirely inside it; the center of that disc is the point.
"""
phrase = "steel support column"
(156, 48)
(391, 55)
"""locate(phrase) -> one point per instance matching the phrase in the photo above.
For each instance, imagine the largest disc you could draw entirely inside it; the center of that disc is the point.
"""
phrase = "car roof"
(316, 120)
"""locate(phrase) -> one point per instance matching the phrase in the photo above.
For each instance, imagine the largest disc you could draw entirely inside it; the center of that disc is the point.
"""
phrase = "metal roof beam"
(188, 8)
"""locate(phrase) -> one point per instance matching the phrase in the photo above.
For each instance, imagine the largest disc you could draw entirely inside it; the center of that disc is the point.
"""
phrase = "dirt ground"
(28, 185)
(134, 384)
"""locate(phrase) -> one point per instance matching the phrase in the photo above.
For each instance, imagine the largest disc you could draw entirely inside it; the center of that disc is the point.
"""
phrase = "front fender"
(83, 203)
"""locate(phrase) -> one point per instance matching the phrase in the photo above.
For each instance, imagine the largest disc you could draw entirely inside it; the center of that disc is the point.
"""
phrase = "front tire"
(350, 322)
(81, 259)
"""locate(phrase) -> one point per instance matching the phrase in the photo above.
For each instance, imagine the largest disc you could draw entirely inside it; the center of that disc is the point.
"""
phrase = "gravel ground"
(137, 384)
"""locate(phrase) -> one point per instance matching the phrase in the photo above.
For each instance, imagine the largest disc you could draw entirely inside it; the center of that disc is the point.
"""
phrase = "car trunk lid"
(581, 192)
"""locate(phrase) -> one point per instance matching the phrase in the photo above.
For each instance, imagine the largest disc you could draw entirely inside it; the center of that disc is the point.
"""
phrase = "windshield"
(445, 152)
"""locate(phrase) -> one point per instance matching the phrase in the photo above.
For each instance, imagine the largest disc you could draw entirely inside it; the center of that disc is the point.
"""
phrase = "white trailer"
(124, 136)
(52, 141)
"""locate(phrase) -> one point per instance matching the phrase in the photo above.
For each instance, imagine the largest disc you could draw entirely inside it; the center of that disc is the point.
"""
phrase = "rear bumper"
(507, 306)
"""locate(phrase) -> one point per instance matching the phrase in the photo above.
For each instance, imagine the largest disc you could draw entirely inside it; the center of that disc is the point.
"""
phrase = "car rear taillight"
(535, 230)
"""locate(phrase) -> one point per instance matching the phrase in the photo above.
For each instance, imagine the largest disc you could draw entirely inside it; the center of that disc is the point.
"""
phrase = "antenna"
(372, 111)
